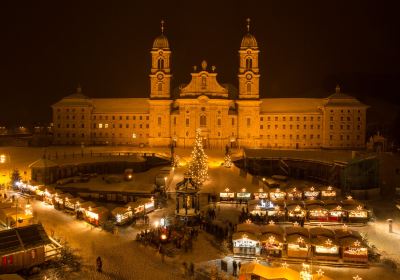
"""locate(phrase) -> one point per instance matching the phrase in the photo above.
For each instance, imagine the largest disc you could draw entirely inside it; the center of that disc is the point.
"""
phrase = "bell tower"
(248, 67)
(160, 74)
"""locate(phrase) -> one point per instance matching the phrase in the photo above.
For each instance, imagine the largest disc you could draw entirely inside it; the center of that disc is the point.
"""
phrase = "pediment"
(204, 83)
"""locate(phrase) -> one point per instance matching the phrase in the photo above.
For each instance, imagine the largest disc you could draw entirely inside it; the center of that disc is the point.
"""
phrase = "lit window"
(100, 125)
(106, 125)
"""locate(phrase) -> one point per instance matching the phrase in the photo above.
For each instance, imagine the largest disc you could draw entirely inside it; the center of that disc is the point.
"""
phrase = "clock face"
(248, 76)
(160, 76)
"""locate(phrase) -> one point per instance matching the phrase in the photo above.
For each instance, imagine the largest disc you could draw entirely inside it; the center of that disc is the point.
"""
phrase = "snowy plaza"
(125, 258)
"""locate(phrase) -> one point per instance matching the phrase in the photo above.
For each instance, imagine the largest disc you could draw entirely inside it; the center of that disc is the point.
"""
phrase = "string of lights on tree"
(198, 166)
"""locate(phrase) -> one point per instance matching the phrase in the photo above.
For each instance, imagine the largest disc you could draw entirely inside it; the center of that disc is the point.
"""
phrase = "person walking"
(234, 268)
(99, 264)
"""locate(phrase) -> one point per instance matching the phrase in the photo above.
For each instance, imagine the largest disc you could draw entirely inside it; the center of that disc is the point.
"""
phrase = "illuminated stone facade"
(225, 115)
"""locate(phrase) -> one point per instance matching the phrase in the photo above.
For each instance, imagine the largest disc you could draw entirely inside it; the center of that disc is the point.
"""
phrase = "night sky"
(49, 47)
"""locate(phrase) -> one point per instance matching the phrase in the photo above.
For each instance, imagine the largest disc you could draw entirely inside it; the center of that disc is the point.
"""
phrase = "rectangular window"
(331, 126)
(147, 118)
(261, 119)
(248, 121)
(187, 122)
(147, 125)
(127, 117)
(159, 121)
(219, 122)
(127, 125)
(291, 118)
(284, 126)
(113, 117)
(100, 125)
(174, 120)
(261, 126)
(140, 126)
(134, 118)
(269, 118)
(233, 121)
(331, 118)
(140, 118)
(298, 118)
(120, 118)
(120, 125)
(284, 118)
(276, 126)
(276, 118)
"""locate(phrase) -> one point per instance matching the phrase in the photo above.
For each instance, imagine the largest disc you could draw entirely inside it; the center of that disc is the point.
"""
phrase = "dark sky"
(48, 47)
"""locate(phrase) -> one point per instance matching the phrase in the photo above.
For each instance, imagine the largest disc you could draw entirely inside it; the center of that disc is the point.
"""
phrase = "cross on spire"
(248, 24)
(162, 26)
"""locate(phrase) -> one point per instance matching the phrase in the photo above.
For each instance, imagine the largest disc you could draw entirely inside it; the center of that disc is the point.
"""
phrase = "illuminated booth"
(83, 207)
(122, 215)
(295, 211)
(48, 195)
(260, 206)
(298, 242)
(329, 193)
(278, 211)
(141, 207)
(352, 247)
(243, 195)
(245, 244)
(356, 211)
(311, 193)
(294, 194)
(277, 195)
(260, 194)
(60, 198)
(72, 204)
(336, 213)
(40, 192)
(272, 240)
(227, 196)
(316, 210)
(96, 216)
(325, 246)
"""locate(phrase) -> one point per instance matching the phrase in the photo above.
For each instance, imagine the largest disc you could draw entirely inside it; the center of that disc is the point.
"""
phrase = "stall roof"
(313, 202)
(297, 230)
(22, 238)
(100, 210)
(271, 229)
(323, 240)
(119, 210)
(351, 241)
(315, 207)
(269, 272)
(265, 237)
(251, 228)
(87, 204)
(293, 238)
(321, 231)
(342, 233)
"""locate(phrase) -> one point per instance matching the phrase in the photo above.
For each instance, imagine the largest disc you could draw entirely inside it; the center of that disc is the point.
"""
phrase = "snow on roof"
(291, 105)
(268, 272)
(120, 105)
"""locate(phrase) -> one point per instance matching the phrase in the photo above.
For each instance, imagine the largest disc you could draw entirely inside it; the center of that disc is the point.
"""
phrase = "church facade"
(225, 115)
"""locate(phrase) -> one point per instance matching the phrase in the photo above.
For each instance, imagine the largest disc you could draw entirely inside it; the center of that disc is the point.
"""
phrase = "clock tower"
(248, 67)
(160, 74)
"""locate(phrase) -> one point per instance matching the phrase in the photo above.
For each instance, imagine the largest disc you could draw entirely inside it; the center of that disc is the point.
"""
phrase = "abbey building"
(225, 115)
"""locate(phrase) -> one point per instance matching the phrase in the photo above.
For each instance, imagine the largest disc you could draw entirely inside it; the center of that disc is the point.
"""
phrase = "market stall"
(295, 211)
(122, 215)
(353, 247)
(277, 212)
(49, 194)
(277, 195)
(316, 210)
(311, 193)
(40, 192)
(294, 193)
(261, 194)
(243, 196)
(141, 207)
(245, 244)
(329, 192)
(325, 246)
(227, 196)
(72, 204)
(96, 216)
(271, 240)
(336, 213)
(356, 211)
(60, 199)
(298, 242)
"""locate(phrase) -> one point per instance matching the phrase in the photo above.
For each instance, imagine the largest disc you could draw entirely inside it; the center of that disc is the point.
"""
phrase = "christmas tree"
(198, 166)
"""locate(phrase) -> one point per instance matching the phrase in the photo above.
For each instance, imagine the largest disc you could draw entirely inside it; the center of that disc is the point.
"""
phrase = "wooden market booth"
(96, 216)
(73, 204)
(329, 193)
(276, 195)
(324, 243)
(49, 194)
(245, 244)
(295, 210)
(298, 242)
(336, 213)
(83, 207)
(353, 248)
(356, 211)
(277, 211)
(316, 210)
(60, 200)
(122, 215)
(311, 192)
(25, 247)
(271, 240)
(294, 193)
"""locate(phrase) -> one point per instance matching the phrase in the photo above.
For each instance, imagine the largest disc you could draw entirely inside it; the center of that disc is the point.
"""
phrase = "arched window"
(249, 63)
(203, 121)
(160, 87)
(248, 87)
(160, 63)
